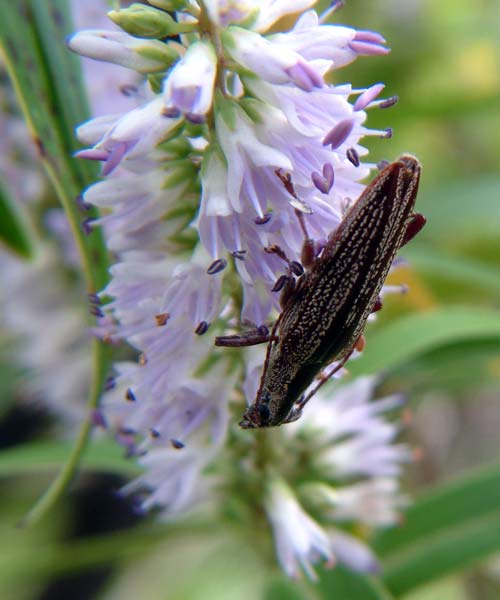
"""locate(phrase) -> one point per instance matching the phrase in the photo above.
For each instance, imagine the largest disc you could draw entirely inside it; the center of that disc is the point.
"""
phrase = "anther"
(87, 226)
(352, 156)
(162, 319)
(280, 283)
(202, 328)
(263, 220)
(263, 330)
(130, 396)
(178, 445)
(239, 254)
(382, 164)
(129, 90)
(94, 299)
(80, 202)
(155, 434)
(296, 268)
(96, 311)
(387, 135)
(389, 102)
(109, 384)
(217, 266)
(339, 134)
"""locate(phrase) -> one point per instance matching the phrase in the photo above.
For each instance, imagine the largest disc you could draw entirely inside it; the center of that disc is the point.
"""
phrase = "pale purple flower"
(348, 485)
(189, 86)
(300, 540)
(198, 184)
(120, 48)
(46, 320)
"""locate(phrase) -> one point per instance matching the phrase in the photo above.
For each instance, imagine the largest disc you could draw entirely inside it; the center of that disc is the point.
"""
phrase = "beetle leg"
(260, 335)
(415, 224)
(324, 378)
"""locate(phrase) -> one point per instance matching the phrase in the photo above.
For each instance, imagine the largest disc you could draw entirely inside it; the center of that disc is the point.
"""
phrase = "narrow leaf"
(414, 335)
(340, 582)
(14, 230)
(447, 530)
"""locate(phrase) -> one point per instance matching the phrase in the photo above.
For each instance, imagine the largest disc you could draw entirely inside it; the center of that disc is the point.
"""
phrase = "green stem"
(36, 63)
(60, 484)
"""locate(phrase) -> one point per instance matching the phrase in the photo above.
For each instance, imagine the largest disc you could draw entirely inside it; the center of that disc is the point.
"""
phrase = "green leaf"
(14, 229)
(413, 335)
(28, 459)
(344, 584)
(474, 273)
(460, 208)
(447, 530)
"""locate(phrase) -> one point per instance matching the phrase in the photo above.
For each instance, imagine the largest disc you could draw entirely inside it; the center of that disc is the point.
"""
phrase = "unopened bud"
(148, 22)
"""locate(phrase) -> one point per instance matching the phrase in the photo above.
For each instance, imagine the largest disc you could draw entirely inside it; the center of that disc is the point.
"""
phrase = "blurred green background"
(440, 344)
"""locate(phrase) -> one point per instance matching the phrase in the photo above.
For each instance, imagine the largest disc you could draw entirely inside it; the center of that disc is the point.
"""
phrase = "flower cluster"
(190, 200)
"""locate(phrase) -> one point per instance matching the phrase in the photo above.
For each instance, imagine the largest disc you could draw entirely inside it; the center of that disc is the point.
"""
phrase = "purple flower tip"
(338, 135)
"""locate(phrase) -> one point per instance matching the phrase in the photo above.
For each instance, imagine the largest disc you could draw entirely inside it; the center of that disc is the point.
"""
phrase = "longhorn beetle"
(326, 308)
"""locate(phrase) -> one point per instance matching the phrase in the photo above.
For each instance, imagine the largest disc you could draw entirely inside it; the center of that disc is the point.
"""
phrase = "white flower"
(119, 48)
(189, 87)
(263, 12)
(300, 541)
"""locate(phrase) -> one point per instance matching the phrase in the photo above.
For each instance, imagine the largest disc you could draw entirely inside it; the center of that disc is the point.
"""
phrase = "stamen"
(162, 318)
(217, 266)
(368, 96)
(202, 328)
(352, 156)
(338, 135)
(178, 445)
(280, 283)
(239, 254)
(87, 226)
(263, 220)
(389, 102)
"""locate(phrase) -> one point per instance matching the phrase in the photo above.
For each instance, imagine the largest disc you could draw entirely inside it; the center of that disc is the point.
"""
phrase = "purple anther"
(87, 226)
(382, 164)
(388, 133)
(263, 330)
(264, 219)
(94, 298)
(92, 154)
(352, 156)
(368, 96)
(217, 266)
(296, 268)
(304, 76)
(338, 135)
(388, 102)
(82, 205)
(367, 48)
(98, 419)
(324, 183)
(202, 328)
(129, 90)
(109, 384)
(178, 445)
(171, 112)
(372, 37)
(95, 311)
(280, 283)
(154, 433)
(239, 254)
(129, 395)
(194, 118)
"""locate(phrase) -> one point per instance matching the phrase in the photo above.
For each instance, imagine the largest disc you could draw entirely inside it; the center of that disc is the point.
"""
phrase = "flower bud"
(147, 22)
